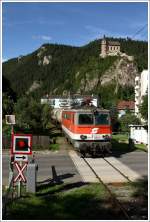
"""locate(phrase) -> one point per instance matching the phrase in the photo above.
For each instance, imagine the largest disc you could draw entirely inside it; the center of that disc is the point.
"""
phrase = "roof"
(126, 105)
(86, 110)
(75, 96)
(114, 43)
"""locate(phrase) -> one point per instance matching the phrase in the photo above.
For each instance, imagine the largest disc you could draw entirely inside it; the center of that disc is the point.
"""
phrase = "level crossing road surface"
(111, 169)
(133, 164)
(59, 163)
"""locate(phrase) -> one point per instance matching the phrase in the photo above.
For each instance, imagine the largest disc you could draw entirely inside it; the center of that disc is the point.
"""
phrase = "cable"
(140, 30)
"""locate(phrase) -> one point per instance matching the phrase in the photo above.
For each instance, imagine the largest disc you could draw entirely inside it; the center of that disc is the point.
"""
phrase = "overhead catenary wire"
(140, 30)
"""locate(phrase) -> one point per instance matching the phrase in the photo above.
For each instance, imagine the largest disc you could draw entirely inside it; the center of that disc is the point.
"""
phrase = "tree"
(114, 119)
(30, 114)
(46, 116)
(144, 107)
(7, 104)
(126, 120)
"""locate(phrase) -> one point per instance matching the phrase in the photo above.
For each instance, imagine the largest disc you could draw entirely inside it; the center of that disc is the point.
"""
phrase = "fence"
(38, 141)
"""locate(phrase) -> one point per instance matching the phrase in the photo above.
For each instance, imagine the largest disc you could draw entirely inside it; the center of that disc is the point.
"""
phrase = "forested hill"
(57, 69)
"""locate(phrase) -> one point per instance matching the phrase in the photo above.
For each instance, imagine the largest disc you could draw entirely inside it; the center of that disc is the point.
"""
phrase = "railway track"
(121, 194)
(113, 197)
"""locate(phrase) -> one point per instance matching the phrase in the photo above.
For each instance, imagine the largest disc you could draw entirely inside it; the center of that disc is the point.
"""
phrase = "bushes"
(30, 114)
(126, 120)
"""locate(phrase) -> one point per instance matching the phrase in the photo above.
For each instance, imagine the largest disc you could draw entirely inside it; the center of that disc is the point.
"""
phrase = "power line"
(140, 30)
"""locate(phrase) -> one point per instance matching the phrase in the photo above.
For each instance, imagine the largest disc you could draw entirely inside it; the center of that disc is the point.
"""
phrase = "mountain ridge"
(58, 69)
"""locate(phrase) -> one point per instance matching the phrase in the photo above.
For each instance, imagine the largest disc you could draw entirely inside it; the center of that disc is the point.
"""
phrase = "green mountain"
(60, 69)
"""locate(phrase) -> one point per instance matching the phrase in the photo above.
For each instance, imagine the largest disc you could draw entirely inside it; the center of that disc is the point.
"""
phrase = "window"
(101, 119)
(66, 116)
(85, 119)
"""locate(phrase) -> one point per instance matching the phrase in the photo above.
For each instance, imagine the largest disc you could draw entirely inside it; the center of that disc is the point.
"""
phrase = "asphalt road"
(50, 164)
(65, 170)
(136, 161)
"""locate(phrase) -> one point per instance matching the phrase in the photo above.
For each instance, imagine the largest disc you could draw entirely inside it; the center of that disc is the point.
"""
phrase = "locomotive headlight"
(106, 136)
(83, 137)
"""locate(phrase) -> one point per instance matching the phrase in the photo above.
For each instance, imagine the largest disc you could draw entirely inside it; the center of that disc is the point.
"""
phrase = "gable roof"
(126, 105)
(114, 43)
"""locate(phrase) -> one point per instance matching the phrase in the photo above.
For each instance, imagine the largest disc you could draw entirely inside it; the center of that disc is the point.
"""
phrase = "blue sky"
(26, 26)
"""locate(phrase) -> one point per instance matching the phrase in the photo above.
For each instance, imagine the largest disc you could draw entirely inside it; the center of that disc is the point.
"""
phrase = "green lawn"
(62, 202)
(120, 137)
(120, 141)
(76, 201)
(141, 147)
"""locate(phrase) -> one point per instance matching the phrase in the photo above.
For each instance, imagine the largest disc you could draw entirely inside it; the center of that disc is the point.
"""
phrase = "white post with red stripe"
(20, 177)
(20, 169)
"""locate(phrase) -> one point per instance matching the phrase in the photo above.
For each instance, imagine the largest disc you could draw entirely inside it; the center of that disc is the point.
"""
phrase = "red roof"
(126, 105)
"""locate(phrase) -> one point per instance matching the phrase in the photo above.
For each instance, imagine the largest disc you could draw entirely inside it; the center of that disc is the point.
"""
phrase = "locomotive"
(88, 129)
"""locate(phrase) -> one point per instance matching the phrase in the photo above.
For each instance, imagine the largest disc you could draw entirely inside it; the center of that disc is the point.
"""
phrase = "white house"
(141, 86)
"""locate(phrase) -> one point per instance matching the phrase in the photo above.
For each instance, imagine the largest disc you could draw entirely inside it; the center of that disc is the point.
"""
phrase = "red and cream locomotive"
(88, 129)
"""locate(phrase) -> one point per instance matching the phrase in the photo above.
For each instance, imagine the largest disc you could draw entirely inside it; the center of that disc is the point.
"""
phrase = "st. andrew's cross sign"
(21, 144)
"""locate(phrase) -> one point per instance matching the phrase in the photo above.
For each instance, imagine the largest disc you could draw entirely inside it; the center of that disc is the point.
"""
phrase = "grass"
(77, 201)
(142, 147)
(61, 202)
(120, 141)
(54, 147)
(120, 137)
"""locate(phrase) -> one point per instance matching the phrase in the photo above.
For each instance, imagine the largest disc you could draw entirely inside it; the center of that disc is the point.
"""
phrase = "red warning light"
(21, 144)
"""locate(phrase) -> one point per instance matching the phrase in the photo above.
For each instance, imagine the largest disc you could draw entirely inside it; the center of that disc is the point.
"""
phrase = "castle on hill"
(109, 48)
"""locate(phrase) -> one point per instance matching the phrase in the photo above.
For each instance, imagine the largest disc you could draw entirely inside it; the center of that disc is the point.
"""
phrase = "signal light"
(22, 144)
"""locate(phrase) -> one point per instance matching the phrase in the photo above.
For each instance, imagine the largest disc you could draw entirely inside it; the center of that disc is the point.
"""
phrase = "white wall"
(141, 86)
(144, 82)
(139, 134)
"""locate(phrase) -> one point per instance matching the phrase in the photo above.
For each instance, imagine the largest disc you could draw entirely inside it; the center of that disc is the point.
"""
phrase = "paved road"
(61, 162)
(136, 161)
(66, 170)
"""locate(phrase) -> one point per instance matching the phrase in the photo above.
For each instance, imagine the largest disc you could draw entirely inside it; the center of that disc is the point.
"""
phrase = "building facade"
(110, 48)
(141, 87)
(67, 102)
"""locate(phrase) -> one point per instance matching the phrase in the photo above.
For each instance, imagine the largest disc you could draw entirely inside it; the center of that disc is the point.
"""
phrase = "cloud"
(42, 37)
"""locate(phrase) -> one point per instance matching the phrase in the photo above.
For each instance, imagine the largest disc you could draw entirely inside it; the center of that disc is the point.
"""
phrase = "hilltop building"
(110, 48)
(141, 86)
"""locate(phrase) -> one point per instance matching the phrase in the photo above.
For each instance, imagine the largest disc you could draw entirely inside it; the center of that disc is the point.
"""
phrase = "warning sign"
(22, 144)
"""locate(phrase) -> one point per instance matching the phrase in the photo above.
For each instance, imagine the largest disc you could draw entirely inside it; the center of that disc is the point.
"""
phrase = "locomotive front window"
(85, 119)
(101, 119)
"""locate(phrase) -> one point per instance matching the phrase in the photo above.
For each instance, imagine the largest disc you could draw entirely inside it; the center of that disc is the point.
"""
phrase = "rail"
(113, 196)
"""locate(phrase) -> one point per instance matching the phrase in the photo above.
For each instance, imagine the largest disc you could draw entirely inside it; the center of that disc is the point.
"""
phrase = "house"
(124, 105)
